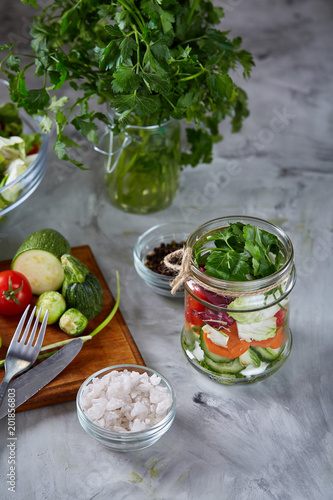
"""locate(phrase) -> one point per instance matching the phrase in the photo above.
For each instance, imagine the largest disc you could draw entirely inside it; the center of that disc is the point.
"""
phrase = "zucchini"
(81, 289)
(233, 366)
(38, 258)
(214, 357)
(267, 353)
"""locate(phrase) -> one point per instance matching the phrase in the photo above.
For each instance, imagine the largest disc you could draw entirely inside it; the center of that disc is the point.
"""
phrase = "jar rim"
(242, 286)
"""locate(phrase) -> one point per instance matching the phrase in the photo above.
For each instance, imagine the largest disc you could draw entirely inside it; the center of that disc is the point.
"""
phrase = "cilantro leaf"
(152, 60)
(241, 252)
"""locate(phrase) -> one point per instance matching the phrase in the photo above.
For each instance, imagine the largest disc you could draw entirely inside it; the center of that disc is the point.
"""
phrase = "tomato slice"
(34, 149)
(192, 318)
(191, 303)
(280, 317)
(235, 348)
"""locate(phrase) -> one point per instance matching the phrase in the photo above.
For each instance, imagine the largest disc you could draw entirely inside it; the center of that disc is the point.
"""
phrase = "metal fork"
(21, 353)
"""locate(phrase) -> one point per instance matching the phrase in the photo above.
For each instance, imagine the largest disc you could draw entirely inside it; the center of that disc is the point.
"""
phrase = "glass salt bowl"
(126, 441)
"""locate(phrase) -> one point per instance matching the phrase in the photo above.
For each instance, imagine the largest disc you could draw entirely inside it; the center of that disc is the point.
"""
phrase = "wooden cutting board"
(111, 346)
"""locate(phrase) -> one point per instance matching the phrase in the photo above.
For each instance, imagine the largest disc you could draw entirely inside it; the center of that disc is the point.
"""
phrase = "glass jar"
(239, 333)
(142, 167)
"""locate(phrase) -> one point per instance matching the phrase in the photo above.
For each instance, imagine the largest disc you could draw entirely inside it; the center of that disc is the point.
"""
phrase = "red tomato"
(34, 149)
(280, 317)
(15, 292)
(193, 306)
(191, 303)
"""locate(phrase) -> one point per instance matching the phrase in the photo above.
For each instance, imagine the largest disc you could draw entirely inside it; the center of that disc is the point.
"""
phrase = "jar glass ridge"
(254, 315)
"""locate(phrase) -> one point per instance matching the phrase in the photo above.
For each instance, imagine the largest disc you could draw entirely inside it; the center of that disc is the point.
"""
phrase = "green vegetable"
(240, 253)
(38, 258)
(73, 322)
(151, 60)
(81, 289)
(84, 338)
(11, 123)
(247, 303)
(233, 366)
(54, 302)
(14, 149)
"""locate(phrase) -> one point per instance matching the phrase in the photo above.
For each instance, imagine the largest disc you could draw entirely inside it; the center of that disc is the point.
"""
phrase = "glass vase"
(142, 167)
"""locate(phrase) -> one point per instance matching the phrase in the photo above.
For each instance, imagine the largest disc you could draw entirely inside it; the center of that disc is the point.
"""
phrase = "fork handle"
(3, 387)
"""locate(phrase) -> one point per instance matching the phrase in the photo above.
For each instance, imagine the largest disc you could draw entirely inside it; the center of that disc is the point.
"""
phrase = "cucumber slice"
(190, 336)
(233, 366)
(38, 258)
(250, 357)
(214, 357)
(267, 353)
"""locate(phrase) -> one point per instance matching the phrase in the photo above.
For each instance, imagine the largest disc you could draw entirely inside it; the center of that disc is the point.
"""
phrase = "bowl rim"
(156, 277)
(130, 435)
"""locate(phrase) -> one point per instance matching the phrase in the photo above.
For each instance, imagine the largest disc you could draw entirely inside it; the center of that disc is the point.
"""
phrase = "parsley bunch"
(241, 253)
(152, 60)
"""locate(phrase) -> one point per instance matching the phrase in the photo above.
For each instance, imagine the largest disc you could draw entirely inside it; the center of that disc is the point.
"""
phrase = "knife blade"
(30, 382)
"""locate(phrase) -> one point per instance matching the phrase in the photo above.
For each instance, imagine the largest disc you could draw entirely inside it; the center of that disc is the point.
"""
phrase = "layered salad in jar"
(236, 312)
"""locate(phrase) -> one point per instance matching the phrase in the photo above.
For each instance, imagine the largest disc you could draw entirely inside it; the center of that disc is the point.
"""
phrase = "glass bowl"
(26, 183)
(126, 441)
(162, 233)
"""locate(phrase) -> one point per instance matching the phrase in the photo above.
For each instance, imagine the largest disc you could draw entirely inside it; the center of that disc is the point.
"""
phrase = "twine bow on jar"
(183, 268)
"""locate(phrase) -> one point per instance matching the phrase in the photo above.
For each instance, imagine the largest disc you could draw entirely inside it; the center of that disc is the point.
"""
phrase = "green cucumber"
(233, 366)
(250, 357)
(190, 337)
(267, 353)
(38, 258)
(214, 357)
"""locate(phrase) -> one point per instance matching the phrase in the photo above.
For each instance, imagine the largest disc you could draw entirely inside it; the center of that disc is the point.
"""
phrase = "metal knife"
(36, 378)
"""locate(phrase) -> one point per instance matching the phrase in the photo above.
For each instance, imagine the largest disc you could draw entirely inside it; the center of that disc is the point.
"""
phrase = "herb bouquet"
(154, 62)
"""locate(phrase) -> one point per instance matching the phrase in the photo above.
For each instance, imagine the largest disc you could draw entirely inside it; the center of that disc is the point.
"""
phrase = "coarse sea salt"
(126, 401)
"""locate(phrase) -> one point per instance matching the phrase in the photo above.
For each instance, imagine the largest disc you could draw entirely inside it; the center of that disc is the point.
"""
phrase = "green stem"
(136, 14)
(192, 76)
(189, 19)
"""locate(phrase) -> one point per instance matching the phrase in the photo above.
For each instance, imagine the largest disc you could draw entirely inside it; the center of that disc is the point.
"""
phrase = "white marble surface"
(271, 440)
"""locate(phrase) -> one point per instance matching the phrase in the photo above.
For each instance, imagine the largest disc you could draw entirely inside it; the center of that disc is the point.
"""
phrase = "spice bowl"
(108, 384)
(152, 239)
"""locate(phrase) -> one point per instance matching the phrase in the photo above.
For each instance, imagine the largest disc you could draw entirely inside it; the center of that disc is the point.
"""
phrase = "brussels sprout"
(54, 302)
(73, 322)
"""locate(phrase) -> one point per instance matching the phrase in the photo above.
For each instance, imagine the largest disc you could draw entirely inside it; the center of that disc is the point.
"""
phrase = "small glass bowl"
(162, 233)
(26, 183)
(127, 441)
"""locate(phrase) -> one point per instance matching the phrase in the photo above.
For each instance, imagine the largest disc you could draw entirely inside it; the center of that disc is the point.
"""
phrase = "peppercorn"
(155, 259)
